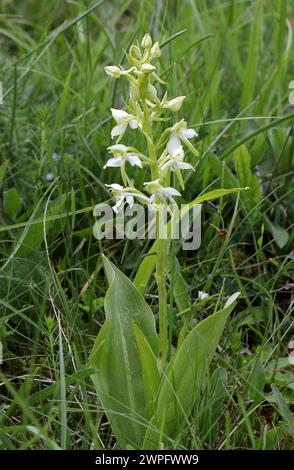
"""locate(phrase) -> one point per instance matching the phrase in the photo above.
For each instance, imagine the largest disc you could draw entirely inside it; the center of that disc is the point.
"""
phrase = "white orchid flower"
(180, 132)
(123, 195)
(123, 120)
(160, 192)
(175, 160)
(121, 155)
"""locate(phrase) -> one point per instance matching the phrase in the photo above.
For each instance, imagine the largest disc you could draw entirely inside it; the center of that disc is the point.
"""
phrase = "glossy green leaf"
(180, 288)
(151, 376)
(183, 380)
(121, 378)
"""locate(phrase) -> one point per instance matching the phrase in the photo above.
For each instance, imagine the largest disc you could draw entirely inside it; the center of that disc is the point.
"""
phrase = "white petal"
(178, 154)
(130, 200)
(170, 192)
(118, 148)
(115, 186)
(188, 133)
(118, 130)
(173, 144)
(184, 166)
(119, 203)
(134, 159)
(166, 165)
(114, 162)
(133, 124)
(118, 115)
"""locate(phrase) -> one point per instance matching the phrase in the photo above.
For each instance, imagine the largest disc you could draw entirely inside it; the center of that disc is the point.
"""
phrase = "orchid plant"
(145, 390)
(144, 109)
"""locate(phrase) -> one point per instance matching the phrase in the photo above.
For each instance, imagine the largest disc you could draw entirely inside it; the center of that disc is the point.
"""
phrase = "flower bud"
(175, 104)
(148, 68)
(146, 41)
(151, 92)
(113, 71)
(155, 50)
(134, 92)
(135, 52)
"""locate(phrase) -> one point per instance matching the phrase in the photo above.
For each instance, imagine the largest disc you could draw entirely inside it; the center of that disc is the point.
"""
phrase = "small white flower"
(175, 104)
(179, 132)
(160, 192)
(202, 295)
(123, 120)
(120, 196)
(176, 160)
(121, 155)
(115, 72)
(123, 195)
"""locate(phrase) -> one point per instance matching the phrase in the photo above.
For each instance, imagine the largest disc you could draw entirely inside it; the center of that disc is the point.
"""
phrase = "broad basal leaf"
(182, 383)
(121, 379)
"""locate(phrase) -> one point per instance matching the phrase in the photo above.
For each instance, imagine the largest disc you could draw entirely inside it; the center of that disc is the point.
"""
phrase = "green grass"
(233, 60)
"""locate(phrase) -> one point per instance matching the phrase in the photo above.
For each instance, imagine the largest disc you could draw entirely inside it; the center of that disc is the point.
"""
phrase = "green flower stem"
(160, 275)
(162, 244)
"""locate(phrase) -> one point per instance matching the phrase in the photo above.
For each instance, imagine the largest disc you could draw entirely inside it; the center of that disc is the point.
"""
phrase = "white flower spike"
(123, 120)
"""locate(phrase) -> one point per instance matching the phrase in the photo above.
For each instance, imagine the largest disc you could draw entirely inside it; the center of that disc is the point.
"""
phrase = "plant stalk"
(162, 249)
(162, 254)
